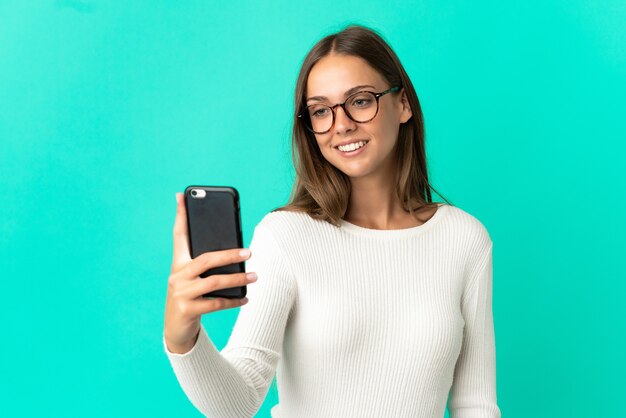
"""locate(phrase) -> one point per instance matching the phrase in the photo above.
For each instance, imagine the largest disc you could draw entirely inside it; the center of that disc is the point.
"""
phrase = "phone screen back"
(214, 224)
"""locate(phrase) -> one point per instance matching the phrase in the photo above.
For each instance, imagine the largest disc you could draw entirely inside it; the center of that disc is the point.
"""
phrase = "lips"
(354, 152)
(353, 141)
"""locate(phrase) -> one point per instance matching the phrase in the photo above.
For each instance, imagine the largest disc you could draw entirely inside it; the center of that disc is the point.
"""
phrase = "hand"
(184, 303)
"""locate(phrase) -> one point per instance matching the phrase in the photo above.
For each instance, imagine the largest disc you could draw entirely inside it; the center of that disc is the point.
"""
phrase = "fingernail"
(251, 277)
(244, 253)
(244, 301)
(177, 197)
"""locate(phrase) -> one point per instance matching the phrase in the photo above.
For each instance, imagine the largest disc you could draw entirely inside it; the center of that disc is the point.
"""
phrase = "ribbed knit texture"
(356, 322)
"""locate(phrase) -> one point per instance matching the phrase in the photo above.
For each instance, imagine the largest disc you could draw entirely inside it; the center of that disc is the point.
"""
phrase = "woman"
(371, 300)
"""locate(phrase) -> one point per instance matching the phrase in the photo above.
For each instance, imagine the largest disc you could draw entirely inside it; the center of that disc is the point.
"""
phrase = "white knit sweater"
(356, 322)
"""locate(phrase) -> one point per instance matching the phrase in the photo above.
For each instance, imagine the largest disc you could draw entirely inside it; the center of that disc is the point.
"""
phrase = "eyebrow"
(346, 94)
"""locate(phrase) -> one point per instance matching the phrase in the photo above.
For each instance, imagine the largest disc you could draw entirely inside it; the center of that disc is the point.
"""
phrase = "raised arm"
(235, 381)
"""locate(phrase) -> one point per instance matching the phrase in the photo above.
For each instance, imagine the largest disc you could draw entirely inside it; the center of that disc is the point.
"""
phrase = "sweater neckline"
(396, 233)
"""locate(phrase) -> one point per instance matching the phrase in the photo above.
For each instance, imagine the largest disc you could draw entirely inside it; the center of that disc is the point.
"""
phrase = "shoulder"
(286, 225)
(280, 220)
(468, 227)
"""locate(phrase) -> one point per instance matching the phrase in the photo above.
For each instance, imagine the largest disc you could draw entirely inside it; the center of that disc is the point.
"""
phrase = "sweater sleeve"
(235, 381)
(473, 392)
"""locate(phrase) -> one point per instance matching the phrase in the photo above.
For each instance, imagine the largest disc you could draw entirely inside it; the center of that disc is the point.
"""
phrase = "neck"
(375, 204)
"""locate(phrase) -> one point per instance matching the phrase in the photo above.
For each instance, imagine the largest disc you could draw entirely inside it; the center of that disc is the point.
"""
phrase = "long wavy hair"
(322, 190)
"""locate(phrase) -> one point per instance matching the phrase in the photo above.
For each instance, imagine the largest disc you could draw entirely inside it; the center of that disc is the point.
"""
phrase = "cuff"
(202, 346)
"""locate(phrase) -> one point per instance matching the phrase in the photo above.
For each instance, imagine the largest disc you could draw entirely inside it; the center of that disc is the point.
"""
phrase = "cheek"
(392, 122)
(322, 144)
(387, 131)
(383, 122)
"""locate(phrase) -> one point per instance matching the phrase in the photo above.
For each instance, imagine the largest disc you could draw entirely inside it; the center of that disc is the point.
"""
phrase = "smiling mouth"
(353, 146)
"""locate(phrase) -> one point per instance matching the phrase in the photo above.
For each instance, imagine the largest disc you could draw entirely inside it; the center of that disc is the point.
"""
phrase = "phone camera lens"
(193, 193)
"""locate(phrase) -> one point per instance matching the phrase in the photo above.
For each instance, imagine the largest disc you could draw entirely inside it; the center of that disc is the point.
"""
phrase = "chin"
(361, 169)
(356, 173)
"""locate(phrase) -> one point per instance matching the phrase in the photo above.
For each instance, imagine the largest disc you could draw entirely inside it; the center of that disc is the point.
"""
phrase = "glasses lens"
(320, 117)
(362, 106)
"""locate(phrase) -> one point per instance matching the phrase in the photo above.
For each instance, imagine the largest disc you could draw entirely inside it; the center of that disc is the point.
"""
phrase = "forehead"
(334, 74)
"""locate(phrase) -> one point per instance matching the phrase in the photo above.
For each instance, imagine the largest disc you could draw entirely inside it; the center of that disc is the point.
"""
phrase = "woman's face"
(330, 79)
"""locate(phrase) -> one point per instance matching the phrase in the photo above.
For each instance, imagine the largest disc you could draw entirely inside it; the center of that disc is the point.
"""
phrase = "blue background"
(109, 108)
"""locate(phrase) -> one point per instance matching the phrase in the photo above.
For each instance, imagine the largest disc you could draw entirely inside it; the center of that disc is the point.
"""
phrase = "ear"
(405, 112)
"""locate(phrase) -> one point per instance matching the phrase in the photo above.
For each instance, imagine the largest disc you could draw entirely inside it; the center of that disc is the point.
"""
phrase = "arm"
(473, 393)
(234, 383)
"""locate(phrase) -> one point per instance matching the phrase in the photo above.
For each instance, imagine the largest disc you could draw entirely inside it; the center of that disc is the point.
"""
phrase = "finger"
(213, 259)
(203, 306)
(181, 237)
(217, 282)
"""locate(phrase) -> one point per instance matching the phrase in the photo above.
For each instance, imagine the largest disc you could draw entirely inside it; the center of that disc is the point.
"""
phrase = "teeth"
(351, 147)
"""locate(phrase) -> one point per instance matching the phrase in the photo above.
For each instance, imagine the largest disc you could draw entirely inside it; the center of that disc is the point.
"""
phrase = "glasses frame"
(343, 106)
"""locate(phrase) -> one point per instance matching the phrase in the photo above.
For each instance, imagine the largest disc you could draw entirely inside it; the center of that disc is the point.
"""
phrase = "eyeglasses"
(360, 107)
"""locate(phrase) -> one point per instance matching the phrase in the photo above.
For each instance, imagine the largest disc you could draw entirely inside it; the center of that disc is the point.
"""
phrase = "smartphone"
(214, 224)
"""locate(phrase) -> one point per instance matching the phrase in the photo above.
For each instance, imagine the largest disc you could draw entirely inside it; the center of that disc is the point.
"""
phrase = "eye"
(318, 111)
(362, 100)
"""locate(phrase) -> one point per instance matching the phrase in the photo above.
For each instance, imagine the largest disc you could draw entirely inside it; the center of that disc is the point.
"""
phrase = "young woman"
(371, 300)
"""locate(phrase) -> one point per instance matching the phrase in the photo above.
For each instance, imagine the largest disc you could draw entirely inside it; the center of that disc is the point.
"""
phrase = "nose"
(342, 122)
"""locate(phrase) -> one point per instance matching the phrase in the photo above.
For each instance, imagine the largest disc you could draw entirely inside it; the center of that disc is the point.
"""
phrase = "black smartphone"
(214, 224)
